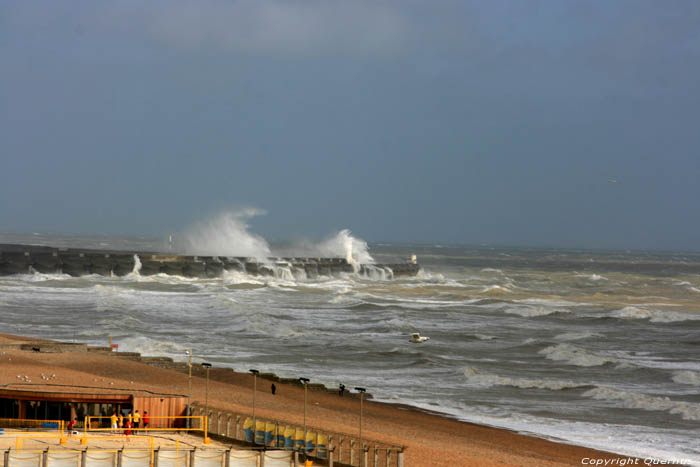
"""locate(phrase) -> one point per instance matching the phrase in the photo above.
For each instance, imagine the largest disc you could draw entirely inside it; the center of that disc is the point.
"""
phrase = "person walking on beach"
(137, 420)
(273, 388)
(113, 422)
(341, 390)
(71, 425)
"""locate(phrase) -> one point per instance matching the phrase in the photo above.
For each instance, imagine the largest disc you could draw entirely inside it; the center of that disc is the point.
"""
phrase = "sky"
(541, 123)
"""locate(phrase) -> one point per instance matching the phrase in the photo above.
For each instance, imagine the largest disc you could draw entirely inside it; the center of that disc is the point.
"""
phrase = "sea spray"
(227, 235)
(344, 245)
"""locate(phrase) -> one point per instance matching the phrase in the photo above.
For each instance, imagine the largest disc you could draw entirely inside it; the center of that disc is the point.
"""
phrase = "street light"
(189, 386)
(304, 381)
(206, 403)
(255, 389)
(362, 450)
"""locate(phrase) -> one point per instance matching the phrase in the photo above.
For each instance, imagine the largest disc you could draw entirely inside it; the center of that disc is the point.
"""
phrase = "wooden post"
(83, 458)
(227, 458)
(192, 457)
(120, 453)
(45, 457)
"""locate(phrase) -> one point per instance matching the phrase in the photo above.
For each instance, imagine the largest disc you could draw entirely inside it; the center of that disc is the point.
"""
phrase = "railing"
(324, 445)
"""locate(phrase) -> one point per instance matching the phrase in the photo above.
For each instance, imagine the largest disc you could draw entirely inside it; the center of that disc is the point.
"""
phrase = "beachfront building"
(73, 403)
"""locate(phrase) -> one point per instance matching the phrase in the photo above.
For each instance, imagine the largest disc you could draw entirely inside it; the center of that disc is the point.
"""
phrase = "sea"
(593, 348)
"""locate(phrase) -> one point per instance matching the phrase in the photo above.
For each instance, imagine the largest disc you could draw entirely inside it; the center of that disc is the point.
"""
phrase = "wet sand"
(430, 439)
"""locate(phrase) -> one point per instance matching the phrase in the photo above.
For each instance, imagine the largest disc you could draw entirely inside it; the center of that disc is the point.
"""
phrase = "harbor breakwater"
(24, 259)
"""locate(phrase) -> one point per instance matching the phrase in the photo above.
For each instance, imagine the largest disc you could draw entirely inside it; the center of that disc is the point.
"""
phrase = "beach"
(429, 439)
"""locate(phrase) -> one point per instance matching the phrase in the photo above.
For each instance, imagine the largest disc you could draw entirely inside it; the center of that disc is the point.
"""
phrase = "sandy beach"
(430, 439)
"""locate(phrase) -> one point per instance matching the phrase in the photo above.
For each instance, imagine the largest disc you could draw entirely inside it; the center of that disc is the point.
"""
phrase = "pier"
(25, 259)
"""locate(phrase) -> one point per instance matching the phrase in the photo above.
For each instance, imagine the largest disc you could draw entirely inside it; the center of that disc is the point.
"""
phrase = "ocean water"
(600, 349)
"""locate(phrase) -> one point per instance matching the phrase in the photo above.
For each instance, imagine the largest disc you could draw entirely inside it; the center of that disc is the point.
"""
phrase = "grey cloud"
(279, 27)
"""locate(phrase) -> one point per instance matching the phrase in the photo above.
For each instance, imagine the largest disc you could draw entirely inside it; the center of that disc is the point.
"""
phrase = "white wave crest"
(478, 378)
(687, 377)
(654, 316)
(535, 311)
(575, 355)
(593, 277)
(634, 400)
(495, 288)
(575, 336)
(151, 347)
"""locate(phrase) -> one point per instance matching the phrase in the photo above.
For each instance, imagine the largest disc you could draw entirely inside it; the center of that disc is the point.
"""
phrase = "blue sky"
(451, 121)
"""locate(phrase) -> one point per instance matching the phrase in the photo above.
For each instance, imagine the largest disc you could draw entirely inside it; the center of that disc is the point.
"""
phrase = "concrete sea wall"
(23, 259)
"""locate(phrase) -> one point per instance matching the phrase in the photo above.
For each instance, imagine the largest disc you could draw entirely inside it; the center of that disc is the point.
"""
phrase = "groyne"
(23, 259)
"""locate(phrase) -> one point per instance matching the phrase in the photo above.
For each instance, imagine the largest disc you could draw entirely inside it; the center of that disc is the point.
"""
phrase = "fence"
(323, 445)
(146, 458)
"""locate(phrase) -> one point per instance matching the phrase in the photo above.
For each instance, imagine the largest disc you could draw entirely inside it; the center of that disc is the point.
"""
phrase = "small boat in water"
(416, 338)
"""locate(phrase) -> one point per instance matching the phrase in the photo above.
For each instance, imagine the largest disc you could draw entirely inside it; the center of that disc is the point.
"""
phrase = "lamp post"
(255, 389)
(206, 403)
(304, 381)
(362, 449)
(189, 386)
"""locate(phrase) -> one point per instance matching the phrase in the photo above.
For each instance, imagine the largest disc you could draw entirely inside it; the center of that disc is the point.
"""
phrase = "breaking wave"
(478, 378)
(687, 377)
(535, 311)
(654, 316)
(634, 400)
(575, 355)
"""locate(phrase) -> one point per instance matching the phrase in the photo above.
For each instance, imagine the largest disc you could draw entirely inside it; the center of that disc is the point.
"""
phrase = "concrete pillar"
(155, 457)
(340, 450)
(228, 425)
(45, 458)
(262, 458)
(238, 427)
(192, 457)
(120, 453)
(227, 458)
(388, 457)
(218, 424)
(331, 452)
(296, 458)
(376, 456)
(83, 458)
(6, 458)
(399, 461)
(364, 452)
(352, 451)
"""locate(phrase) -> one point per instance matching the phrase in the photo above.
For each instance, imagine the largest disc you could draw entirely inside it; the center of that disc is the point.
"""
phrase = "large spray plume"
(227, 235)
